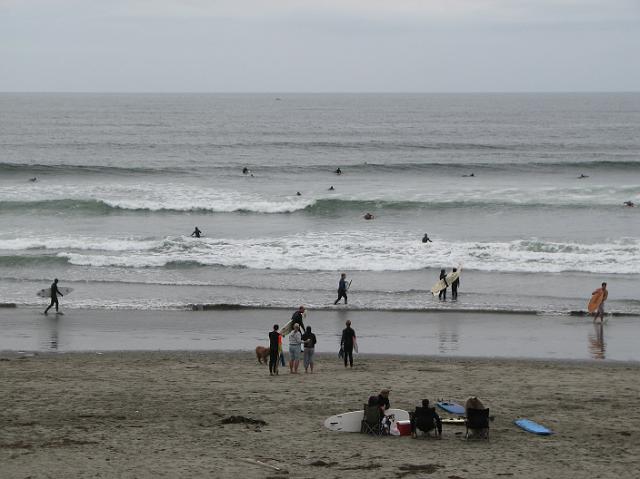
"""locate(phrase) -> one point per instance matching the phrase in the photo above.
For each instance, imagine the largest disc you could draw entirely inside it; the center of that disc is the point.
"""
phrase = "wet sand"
(147, 415)
(419, 333)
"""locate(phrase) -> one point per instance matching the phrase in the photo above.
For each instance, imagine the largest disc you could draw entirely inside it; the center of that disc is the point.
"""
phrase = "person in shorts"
(295, 341)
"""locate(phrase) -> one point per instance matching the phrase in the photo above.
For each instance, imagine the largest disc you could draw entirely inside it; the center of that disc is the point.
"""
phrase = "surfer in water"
(338, 171)
(426, 239)
(196, 233)
(346, 343)
(454, 287)
(54, 296)
(331, 188)
(605, 294)
(442, 295)
(582, 176)
(368, 216)
(342, 289)
(629, 203)
(245, 171)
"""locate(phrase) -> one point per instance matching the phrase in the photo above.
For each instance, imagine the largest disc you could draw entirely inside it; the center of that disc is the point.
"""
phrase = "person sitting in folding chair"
(373, 417)
(477, 421)
(425, 419)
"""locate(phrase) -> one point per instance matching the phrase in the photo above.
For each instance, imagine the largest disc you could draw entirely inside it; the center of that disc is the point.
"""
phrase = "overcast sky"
(319, 45)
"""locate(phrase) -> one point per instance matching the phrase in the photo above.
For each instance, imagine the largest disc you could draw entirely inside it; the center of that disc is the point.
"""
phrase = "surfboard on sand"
(451, 407)
(532, 427)
(351, 421)
(596, 299)
(440, 285)
(46, 293)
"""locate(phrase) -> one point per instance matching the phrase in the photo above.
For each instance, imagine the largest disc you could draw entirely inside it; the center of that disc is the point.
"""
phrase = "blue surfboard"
(452, 407)
(532, 427)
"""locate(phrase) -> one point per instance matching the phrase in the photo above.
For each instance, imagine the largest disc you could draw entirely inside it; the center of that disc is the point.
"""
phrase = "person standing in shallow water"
(347, 342)
(600, 311)
(342, 289)
(442, 295)
(196, 232)
(274, 350)
(454, 287)
(54, 295)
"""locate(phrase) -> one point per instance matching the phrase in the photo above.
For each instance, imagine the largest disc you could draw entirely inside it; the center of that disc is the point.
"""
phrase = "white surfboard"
(440, 285)
(46, 293)
(351, 421)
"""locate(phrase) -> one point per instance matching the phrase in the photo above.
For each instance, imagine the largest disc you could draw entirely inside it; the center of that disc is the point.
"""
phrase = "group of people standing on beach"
(298, 339)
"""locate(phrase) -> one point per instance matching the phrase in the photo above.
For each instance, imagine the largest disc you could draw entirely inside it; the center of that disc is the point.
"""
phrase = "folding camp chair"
(371, 421)
(424, 419)
(477, 423)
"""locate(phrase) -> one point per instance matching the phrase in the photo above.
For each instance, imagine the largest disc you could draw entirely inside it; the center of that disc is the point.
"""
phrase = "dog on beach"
(262, 354)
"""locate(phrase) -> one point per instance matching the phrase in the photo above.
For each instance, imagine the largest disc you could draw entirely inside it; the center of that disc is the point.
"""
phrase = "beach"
(161, 414)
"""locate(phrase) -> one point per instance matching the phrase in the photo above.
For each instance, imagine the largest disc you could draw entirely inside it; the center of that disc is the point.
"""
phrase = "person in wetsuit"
(196, 233)
(443, 292)
(342, 289)
(54, 296)
(347, 342)
(297, 317)
(338, 171)
(274, 350)
(454, 287)
(426, 239)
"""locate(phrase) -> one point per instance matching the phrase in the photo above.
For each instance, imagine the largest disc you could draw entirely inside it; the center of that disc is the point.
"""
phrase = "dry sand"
(152, 415)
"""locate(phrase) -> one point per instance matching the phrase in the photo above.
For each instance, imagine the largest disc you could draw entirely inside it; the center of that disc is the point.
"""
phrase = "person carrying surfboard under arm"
(601, 294)
(54, 296)
(443, 292)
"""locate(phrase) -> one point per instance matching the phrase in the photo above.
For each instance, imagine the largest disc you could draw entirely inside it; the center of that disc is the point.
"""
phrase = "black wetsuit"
(274, 337)
(342, 291)
(348, 338)
(54, 297)
(196, 233)
(297, 318)
(454, 288)
(443, 292)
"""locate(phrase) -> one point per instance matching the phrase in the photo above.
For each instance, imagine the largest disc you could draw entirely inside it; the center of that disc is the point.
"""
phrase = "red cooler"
(404, 427)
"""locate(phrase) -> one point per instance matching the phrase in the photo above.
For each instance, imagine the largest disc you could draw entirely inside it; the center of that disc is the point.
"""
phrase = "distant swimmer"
(54, 296)
(629, 203)
(426, 239)
(298, 193)
(196, 233)
(331, 188)
(469, 176)
(33, 180)
(338, 171)
(245, 171)
(582, 176)
(368, 216)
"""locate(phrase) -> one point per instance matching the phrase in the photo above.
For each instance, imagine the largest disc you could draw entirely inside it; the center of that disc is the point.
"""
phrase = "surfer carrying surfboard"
(598, 297)
(443, 292)
(342, 289)
(54, 296)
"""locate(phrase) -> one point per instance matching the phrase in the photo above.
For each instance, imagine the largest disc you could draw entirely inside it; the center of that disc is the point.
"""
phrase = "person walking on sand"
(295, 341)
(347, 343)
(54, 296)
(310, 341)
(605, 294)
(342, 289)
(442, 295)
(454, 287)
(274, 350)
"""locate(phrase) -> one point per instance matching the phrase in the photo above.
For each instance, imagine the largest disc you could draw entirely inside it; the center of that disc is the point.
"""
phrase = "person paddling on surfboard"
(605, 294)
(54, 296)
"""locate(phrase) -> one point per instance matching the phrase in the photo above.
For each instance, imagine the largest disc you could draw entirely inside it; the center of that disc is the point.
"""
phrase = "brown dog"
(262, 354)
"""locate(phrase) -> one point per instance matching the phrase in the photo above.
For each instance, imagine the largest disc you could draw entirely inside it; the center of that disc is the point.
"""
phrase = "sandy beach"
(145, 414)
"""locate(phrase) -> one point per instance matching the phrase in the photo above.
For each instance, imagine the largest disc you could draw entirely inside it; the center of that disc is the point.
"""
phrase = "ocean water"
(122, 180)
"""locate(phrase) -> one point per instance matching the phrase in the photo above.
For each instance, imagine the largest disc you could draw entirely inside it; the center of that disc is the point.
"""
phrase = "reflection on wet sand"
(52, 340)
(448, 336)
(597, 346)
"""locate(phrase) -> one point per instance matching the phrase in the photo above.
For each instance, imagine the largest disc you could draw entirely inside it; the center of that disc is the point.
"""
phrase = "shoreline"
(155, 414)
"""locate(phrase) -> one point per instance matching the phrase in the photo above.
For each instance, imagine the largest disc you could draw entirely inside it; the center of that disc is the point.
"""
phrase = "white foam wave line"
(364, 252)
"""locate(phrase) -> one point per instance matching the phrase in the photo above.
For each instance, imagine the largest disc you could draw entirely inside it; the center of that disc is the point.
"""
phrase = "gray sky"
(320, 45)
